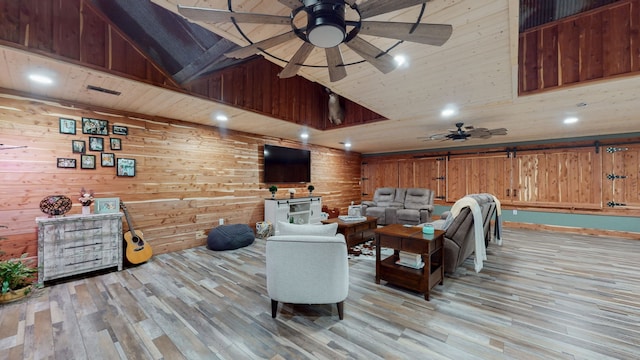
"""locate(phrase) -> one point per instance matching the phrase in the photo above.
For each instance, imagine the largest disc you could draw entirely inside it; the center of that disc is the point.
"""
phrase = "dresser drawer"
(80, 262)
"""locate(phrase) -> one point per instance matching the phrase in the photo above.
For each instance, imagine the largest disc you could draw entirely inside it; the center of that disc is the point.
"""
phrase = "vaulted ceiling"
(474, 72)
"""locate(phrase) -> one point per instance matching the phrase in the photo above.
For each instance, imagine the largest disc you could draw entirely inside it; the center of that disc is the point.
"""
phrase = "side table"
(410, 239)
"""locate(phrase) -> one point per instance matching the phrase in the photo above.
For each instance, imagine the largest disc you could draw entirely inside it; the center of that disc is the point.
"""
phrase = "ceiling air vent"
(107, 91)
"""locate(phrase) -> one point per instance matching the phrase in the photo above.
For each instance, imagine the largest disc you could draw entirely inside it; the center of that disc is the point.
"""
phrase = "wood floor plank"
(541, 295)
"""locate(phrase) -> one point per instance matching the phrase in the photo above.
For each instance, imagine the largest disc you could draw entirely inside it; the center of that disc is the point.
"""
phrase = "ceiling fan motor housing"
(326, 27)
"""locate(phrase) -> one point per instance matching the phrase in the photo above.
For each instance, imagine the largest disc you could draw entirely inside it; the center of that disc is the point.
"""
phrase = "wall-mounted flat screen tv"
(286, 165)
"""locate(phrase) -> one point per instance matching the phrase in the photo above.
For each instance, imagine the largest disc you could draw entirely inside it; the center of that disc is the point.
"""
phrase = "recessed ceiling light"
(222, 117)
(571, 120)
(400, 60)
(449, 111)
(304, 135)
(41, 79)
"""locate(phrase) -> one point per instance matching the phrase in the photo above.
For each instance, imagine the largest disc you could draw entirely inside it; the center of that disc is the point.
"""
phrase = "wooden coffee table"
(410, 239)
(355, 232)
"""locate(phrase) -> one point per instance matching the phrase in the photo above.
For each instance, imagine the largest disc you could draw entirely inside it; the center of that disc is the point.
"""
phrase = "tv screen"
(286, 165)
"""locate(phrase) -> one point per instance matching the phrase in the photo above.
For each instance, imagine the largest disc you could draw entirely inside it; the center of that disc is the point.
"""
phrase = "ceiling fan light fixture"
(326, 27)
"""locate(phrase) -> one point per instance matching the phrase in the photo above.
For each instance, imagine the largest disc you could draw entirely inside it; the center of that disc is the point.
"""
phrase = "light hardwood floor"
(540, 296)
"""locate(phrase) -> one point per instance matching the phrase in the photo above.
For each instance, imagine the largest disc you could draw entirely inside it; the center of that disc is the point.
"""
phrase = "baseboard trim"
(574, 230)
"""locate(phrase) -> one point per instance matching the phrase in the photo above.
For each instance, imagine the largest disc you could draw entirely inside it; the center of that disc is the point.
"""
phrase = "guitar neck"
(126, 216)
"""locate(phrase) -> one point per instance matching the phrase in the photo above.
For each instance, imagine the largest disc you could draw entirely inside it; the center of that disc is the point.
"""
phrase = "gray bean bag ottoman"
(230, 237)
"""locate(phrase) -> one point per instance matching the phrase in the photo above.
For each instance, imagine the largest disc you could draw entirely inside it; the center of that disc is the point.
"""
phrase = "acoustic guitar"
(137, 250)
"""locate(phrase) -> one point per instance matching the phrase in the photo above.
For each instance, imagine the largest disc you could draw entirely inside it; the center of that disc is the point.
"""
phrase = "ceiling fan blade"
(335, 63)
(296, 61)
(429, 34)
(499, 131)
(369, 52)
(377, 7)
(214, 16)
(480, 133)
(260, 45)
(438, 137)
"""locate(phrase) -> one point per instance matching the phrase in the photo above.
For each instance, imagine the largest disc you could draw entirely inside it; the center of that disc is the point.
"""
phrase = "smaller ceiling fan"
(462, 133)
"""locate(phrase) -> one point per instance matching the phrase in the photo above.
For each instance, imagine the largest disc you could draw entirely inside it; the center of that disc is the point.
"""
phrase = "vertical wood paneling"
(379, 174)
(606, 41)
(560, 178)
(294, 99)
(592, 49)
(616, 40)
(569, 51)
(429, 174)
(625, 190)
(72, 29)
(188, 175)
(93, 41)
(10, 28)
(549, 57)
(634, 48)
(41, 26)
(456, 178)
(406, 173)
(528, 68)
(67, 30)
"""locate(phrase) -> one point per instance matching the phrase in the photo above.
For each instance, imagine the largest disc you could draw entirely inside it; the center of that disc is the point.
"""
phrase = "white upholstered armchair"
(307, 264)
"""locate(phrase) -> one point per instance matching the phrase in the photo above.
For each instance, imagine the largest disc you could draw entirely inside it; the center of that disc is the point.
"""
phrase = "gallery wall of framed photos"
(96, 146)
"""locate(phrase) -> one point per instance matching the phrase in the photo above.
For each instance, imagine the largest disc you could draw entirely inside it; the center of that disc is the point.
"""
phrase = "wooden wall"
(577, 177)
(254, 85)
(597, 44)
(188, 175)
(77, 32)
(72, 30)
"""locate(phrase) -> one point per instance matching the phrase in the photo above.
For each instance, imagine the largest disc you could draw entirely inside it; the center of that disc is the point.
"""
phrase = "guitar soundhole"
(138, 241)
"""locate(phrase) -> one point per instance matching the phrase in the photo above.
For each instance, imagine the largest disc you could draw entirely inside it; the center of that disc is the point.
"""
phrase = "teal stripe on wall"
(603, 222)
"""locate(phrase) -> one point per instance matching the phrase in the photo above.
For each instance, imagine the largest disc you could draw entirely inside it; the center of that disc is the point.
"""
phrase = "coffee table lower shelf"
(412, 279)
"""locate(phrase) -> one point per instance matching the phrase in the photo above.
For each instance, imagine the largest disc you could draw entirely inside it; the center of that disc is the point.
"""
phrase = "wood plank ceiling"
(476, 72)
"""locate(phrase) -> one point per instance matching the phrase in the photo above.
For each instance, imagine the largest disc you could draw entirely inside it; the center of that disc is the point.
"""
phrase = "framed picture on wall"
(126, 167)
(78, 146)
(119, 130)
(95, 126)
(107, 205)
(87, 161)
(108, 160)
(96, 143)
(67, 126)
(115, 144)
(67, 163)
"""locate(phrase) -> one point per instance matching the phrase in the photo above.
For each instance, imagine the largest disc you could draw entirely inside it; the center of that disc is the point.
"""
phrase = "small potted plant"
(86, 198)
(273, 190)
(311, 188)
(292, 192)
(16, 278)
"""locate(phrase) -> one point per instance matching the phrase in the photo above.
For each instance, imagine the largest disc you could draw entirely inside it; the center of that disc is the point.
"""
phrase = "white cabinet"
(303, 210)
(78, 244)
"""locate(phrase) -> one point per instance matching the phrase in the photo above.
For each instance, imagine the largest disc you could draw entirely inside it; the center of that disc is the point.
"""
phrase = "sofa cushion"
(417, 199)
(384, 196)
(230, 237)
(285, 228)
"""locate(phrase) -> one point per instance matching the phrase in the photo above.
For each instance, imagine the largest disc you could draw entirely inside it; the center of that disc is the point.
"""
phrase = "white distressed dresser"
(78, 244)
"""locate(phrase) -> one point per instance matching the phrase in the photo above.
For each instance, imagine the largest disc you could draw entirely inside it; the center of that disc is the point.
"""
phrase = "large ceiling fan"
(462, 133)
(327, 24)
